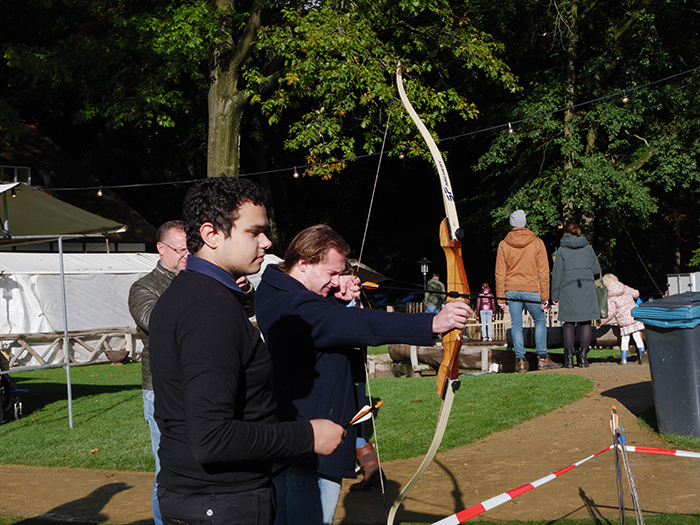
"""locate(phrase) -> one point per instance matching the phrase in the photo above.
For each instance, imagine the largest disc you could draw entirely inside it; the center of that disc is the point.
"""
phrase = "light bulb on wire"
(625, 98)
(296, 173)
(99, 192)
(510, 129)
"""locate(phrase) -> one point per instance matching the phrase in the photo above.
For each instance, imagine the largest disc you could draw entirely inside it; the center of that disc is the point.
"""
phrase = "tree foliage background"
(156, 91)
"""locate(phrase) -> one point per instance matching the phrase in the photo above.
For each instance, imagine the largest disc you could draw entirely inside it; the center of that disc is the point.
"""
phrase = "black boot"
(582, 354)
(569, 357)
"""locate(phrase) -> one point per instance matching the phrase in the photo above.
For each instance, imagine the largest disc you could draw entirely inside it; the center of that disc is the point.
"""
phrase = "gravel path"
(507, 460)
(457, 479)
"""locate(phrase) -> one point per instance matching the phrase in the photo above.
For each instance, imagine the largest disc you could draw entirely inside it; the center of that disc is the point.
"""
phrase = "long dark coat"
(573, 280)
(311, 339)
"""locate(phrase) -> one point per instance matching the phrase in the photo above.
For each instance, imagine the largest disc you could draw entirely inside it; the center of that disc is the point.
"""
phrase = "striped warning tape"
(466, 514)
(663, 451)
(489, 504)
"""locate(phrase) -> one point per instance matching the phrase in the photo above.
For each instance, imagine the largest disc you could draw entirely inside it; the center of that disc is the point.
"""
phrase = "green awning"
(29, 215)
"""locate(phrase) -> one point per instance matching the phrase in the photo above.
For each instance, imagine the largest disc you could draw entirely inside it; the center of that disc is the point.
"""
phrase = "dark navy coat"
(313, 341)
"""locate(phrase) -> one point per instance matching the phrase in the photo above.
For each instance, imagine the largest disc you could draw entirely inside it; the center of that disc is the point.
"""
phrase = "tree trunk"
(571, 51)
(227, 101)
(226, 107)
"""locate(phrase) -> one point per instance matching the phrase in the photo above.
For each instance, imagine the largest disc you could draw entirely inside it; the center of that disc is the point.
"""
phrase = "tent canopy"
(27, 212)
(97, 290)
(26, 263)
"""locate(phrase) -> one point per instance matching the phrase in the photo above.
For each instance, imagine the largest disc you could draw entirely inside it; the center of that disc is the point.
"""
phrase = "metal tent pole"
(66, 349)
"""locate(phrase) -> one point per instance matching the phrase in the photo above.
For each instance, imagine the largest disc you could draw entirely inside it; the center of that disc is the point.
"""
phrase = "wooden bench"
(85, 346)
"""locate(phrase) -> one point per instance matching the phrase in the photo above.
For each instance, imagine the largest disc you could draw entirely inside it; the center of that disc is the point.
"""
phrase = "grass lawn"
(110, 433)
(109, 430)
(483, 405)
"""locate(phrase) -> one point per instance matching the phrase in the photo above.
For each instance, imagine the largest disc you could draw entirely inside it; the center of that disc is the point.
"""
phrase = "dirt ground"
(456, 480)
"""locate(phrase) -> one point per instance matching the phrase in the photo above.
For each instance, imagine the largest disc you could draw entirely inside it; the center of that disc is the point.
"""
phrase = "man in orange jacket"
(522, 277)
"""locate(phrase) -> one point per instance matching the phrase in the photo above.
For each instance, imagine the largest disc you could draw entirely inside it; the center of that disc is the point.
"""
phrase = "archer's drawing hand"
(348, 288)
(453, 315)
(328, 436)
(243, 283)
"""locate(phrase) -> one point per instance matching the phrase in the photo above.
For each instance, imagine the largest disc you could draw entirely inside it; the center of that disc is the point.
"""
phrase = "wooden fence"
(500, 323)
(86, 346)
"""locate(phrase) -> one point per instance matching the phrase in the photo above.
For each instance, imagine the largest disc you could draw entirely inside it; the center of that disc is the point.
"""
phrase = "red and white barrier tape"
(466, 514)
(489, 504)
(663, 451)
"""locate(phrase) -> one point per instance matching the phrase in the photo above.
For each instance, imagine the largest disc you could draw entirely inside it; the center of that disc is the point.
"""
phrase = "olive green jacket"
(143, 296)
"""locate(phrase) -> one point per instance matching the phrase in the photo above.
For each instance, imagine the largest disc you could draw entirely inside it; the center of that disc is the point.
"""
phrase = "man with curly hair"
(212, 373)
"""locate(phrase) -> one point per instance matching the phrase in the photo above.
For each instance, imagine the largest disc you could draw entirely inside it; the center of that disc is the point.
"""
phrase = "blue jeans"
(305, 498)
(515, 305)
(148, 414)
(486, 316)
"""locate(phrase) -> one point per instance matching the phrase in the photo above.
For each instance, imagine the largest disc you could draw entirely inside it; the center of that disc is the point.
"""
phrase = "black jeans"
(253, 507)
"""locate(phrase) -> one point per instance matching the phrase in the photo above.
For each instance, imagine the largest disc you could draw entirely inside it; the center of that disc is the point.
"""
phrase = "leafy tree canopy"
(607, 164)
(321, 71)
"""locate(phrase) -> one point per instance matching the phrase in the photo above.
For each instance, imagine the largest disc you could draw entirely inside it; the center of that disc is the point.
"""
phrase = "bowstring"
(374, 190)
(359, 261)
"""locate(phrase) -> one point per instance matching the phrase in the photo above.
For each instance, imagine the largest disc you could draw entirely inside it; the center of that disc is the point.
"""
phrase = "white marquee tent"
(29, 215)
(97, 289)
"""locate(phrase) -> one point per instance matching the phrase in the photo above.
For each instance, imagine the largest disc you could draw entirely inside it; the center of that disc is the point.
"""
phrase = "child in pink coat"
(621, 300)
(486, 306)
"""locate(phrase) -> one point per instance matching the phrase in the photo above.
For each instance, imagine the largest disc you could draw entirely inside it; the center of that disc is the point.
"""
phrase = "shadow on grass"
(648, 417)
(39, 395)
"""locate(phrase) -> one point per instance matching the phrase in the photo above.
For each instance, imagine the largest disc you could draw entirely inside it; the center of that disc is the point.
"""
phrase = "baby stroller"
(10, 403)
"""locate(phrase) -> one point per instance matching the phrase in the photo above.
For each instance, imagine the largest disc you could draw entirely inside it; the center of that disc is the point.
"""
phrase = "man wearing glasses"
(143, 295)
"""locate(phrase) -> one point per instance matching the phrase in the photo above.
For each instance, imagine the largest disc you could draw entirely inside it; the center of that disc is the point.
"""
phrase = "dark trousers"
(253, 507)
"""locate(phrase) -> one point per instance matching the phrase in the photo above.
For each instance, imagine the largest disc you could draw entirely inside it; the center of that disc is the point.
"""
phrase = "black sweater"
(212, 377)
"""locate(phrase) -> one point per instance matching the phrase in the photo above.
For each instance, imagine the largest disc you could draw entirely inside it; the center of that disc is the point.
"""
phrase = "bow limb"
(450, 241)
(437, 439)
(447, 195)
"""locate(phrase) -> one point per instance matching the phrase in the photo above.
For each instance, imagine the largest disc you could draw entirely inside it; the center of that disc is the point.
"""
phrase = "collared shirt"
(199, 265)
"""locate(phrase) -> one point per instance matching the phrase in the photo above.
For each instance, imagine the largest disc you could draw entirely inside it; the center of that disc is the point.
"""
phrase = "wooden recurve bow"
(450, 241)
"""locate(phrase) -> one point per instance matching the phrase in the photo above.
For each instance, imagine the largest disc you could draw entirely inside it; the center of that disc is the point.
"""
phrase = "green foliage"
(324, 73)
(317, 78)
(609, 165)
(124, 64)
(337, 74)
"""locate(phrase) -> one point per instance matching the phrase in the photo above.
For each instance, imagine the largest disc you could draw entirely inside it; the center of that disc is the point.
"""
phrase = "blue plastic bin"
(673, 343)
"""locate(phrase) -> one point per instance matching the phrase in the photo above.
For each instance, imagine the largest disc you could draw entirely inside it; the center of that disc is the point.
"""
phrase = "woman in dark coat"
(573, 289)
